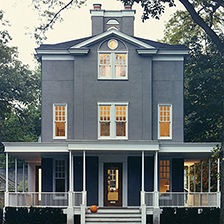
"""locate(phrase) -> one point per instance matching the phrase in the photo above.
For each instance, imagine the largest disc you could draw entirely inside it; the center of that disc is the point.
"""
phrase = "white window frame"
(112, 64)
(54, 121)
(55, 196)
(167, 105)
(113, 120)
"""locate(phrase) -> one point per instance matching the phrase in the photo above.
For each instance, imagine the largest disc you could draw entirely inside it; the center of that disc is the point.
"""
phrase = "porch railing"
(43, 199)
(184, 199)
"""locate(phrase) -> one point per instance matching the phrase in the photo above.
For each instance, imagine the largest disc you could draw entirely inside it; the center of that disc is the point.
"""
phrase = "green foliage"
(190, 215)
(203, 79)
(34, 215)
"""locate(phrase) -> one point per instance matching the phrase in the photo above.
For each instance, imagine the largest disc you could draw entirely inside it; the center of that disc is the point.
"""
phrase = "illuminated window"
(60, 121)
(165, 122)
(164, 176)
(113, 120)
(113, 64)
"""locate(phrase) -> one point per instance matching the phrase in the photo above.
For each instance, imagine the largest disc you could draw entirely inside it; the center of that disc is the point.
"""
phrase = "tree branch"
(55, 16)
(197, 19)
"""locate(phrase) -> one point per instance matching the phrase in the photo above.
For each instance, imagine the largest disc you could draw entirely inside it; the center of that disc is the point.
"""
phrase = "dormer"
(103, 20)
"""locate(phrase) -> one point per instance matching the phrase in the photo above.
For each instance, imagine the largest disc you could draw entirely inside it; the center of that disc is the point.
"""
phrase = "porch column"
(209, 175)
(7, 180)
(84, 199)
(23, 176)
(70, 213)
(189, 179)
(194, 179)
(143, 179)
(218, 185)
(201, 176)
(16, 175)
(156, 209)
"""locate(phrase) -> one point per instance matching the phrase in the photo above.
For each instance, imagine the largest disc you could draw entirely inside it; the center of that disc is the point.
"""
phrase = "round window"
(112, 44)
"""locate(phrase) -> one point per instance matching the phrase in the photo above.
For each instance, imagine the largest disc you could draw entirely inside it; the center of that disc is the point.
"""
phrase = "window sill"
(123, 138)
(113, 79)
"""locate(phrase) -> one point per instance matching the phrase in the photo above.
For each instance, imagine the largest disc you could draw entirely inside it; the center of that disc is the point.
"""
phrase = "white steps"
(114, 216)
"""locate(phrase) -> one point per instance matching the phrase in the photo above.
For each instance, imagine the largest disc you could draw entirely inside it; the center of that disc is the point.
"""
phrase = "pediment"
(114, 33)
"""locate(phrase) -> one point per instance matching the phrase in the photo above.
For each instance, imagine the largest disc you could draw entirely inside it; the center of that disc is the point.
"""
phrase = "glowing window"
(164, 175)
(60, 121)
(113, 120)
(165, 122)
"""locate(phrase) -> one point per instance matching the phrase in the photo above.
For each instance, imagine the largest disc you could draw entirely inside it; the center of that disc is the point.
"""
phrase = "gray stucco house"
(112, 127)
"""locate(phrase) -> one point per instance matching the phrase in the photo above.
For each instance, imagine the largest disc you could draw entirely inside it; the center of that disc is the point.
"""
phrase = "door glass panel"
(112, 184)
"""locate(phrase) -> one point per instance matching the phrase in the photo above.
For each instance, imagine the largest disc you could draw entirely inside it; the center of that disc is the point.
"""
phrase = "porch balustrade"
(184, 199)
(43, 199)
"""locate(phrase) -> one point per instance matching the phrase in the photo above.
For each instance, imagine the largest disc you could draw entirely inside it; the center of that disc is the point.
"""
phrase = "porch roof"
(33, 151)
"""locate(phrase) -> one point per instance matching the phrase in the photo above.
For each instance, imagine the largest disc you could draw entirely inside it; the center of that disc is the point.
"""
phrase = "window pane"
(104, 71)
(104, 65)
(120, 71)
(120, 65)
(120, 128)
(60, 185)
(104, 128)
(59, 128)
(164, 185)
(164, 129)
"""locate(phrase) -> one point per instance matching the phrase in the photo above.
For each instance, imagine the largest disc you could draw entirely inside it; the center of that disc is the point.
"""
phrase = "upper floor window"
(60, 121)
(112, 64)
(113, 120)
(165, 122)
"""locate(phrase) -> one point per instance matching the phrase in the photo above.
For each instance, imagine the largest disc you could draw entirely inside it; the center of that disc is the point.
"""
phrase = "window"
(60, 121)
(165, 122)
(60, 177)
(113, 120)
(164, 176)
(112, 64)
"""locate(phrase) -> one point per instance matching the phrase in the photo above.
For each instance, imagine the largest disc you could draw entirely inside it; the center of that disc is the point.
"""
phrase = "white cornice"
(57, 58)
(115, 32)
(167, 58)
(104, 13)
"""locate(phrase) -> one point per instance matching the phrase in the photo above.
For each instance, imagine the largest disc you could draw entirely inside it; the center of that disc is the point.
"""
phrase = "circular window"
(112, 44)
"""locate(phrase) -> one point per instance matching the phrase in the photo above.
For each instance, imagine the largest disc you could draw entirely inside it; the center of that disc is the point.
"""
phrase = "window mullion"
(113, 125)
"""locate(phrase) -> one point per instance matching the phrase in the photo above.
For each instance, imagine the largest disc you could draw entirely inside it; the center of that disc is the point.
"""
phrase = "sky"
(76, 24)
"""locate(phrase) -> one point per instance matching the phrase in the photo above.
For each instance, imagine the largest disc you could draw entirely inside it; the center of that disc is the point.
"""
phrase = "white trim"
(117, 33)
(57, 58)
(52, 51)
(167, 58)
(108, 44)
(66, 121)
(106, 13)
(66, 177)
(113, 120)
(113, 65)
(170, 127)
(112, 22)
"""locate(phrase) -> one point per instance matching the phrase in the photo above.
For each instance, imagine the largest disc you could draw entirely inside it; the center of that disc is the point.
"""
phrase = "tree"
(202, 76)
(19, 95)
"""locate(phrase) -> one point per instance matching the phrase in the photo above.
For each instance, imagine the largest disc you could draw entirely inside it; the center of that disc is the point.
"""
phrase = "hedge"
(190, 215)
(34, 215)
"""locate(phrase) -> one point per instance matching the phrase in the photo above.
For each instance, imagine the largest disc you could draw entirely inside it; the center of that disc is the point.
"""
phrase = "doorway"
(113, 184)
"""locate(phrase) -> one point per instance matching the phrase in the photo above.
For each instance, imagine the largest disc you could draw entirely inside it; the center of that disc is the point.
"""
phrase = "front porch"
(148, 175)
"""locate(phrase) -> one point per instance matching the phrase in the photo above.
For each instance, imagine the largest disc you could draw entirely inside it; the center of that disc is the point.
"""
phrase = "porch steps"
(114, 216)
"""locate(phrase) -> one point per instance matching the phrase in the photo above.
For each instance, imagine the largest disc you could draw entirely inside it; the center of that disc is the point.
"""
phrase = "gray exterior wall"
(76, 83)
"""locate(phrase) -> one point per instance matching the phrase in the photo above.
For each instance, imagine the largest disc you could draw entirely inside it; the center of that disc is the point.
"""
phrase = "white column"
(209, 175)
(201, 176)
(84, 170)
(143, 171)
(156, 193)
(218, 179)
(143, 179)
(194, 179)
(16, 175)
(156, 171)
(7, 172)
(71, 167)
(189, 179)
(7, 180)
(23, 176)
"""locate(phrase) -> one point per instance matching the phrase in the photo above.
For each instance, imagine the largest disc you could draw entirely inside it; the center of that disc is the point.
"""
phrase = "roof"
(81, 46)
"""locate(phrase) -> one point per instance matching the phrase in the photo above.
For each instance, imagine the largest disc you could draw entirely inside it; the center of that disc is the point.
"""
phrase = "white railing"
(184, 199)
(43, 199)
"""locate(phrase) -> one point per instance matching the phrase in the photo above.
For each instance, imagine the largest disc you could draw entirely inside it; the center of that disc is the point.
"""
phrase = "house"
(112, 127)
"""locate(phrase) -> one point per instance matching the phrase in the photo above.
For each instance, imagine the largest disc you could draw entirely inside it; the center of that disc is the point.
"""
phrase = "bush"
(34, 215)
(190, 215)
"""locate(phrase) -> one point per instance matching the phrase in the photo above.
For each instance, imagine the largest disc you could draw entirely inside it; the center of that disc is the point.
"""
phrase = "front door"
(113, 184)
